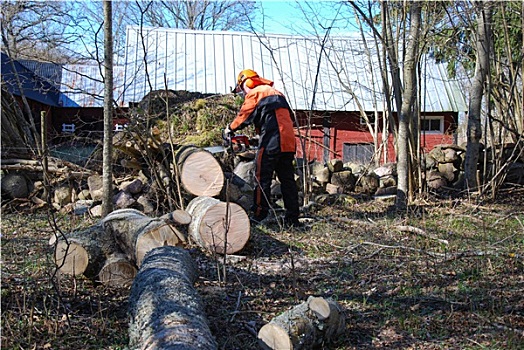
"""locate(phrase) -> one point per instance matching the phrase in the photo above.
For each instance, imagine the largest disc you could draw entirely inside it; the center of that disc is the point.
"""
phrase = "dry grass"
(399, 289)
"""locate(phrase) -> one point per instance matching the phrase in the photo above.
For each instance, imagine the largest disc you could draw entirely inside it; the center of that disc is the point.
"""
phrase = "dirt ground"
(448, 274)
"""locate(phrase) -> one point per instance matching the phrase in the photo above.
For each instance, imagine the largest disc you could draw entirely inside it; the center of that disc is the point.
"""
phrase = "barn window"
(432, 124)
(360, 153)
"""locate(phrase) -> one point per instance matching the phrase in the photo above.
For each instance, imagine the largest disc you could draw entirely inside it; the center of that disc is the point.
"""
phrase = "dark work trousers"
(282, 165)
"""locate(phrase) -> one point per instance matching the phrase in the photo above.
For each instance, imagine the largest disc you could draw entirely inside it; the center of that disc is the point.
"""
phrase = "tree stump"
(200, 173)
(166, 311)
(311, 323)
(218, 226)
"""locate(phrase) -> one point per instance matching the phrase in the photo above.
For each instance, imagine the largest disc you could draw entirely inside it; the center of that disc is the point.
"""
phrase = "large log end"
(117, 272)
(218, 226)
(200, 173)
(273, 337)
(71, 259)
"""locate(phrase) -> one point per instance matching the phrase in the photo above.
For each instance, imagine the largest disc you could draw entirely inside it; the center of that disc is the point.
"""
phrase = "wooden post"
(43, 136)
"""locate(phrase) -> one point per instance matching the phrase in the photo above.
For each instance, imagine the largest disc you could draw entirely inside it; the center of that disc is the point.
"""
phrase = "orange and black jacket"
(267, 109)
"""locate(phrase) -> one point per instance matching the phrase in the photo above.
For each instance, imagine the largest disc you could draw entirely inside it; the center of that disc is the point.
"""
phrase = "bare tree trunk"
(408, 107)
(107, 200)
(474, 131)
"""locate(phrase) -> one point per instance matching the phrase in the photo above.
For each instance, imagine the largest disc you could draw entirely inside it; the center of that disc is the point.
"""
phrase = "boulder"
(334, 189)
(95, 184)
(14, 186)
(386, 170)
(146, 206)
(436, 180)
(335, 165)
(62, 195)
(123, 199)
(84, 194)
(134, 187)
(344, 179)
(319, 172)
(368, 183)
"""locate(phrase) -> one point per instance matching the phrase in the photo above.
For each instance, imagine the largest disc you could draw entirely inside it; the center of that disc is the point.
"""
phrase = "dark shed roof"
(33, 86)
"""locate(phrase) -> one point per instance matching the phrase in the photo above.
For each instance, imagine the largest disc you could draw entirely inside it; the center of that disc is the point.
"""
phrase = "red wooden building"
(347, 136)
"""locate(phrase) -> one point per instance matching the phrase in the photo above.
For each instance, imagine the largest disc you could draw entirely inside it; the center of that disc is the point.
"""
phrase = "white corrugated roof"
(209, 61)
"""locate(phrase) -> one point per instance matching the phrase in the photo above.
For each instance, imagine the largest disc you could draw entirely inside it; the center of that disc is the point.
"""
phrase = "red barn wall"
(346, 128)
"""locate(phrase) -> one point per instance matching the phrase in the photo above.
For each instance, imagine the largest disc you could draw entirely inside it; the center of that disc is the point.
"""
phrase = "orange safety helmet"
(251, 78)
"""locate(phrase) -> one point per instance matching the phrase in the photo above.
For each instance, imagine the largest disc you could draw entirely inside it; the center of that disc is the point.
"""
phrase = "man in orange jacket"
(267, 109)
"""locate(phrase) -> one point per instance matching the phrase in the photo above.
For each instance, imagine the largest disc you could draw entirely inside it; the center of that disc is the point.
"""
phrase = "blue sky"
(285, 17)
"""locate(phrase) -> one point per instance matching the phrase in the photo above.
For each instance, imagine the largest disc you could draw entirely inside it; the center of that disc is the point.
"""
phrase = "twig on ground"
(420, 232)
(236, 307)
(446, 256)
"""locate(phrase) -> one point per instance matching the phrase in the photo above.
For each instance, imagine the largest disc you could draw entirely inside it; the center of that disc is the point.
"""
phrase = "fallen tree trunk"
(136, 234)
(200, 173)
(314, 322)
(165, 310)
(218, 226)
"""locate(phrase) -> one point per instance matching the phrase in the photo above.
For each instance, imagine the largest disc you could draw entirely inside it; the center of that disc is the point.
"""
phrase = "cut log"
(218, 226)
(178, 216)
(314, 322)
(165, 310)
(80, 252)
(136, 234)
(200, 173)
(117, 272)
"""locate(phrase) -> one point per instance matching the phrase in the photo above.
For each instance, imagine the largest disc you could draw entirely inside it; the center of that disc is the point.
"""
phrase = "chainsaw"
(234, 144)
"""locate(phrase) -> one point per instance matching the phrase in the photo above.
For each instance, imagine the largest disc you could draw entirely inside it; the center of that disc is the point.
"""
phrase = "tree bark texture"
(314, 322)
(200, 173)
(165, 310)
(220, 227)
(474, 130)
(407, 109)
(107, 200)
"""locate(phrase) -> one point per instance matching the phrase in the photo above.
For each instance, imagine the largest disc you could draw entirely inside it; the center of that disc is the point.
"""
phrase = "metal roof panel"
(208, 62)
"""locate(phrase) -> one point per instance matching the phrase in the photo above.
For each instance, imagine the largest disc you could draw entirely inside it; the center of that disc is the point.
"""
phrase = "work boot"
(293, 223)
(257, 220)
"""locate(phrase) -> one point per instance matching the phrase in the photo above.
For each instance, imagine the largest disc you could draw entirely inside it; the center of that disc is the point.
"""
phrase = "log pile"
(111, 250)
(166, 311)
(314, 322)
